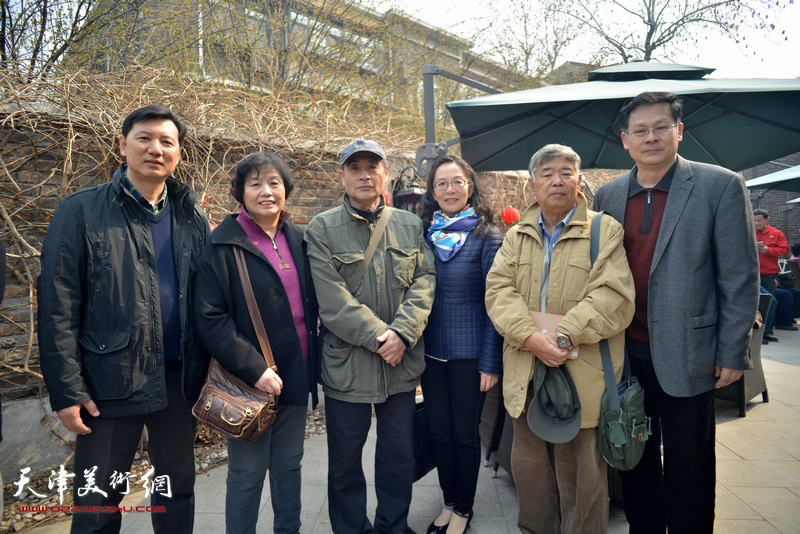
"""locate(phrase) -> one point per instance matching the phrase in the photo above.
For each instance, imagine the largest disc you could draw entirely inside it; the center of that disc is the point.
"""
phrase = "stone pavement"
(758, 473)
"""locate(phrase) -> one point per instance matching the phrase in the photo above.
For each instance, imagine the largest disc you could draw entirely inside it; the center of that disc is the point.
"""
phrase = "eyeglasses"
(660, 131)
(455, 184)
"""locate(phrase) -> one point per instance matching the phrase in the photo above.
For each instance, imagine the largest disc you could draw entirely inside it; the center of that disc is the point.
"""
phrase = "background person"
(463, 350)
(544, 265)
(373, 352)
(772, 246)
(795, 288)
(284, 292)
(694, 311)
(784, 312)
(769, 320)
(116, 342)
(795, 252)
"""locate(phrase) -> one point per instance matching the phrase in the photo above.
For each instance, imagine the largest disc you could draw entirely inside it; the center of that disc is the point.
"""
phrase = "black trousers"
(453, 400)
(347, 427)
(110, 449)
(681, 498)
(795, 299)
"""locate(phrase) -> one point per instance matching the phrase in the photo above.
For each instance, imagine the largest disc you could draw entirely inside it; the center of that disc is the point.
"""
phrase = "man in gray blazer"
(690, 242)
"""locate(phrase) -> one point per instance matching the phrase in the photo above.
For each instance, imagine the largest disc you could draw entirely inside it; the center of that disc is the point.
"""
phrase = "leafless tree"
(648, 29)
(35, 35)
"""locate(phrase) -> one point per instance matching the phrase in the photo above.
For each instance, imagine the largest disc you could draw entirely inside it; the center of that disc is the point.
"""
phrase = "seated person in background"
(795, 291)
(795, 299)
(784, 310)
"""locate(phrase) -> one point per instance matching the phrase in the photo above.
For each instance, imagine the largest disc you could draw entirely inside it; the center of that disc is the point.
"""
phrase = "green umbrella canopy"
(785, 180)
(735, 123)
(645, 70)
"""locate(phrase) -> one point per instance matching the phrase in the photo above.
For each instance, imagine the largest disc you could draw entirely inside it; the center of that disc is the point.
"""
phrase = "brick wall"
(41, 172)
(40, 166)
(38, 171)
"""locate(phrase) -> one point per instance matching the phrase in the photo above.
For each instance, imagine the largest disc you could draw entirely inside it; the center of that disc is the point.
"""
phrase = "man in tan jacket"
(544, 266)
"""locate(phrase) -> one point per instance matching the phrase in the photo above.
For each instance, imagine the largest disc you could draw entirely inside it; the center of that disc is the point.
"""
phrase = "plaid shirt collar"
(152, 208)
(552, 239)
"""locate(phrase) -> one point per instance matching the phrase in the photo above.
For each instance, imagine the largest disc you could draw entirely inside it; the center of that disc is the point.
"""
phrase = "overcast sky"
(773, 59)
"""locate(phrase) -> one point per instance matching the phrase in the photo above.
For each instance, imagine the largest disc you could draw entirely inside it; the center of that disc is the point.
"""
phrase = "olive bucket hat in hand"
(555, 410)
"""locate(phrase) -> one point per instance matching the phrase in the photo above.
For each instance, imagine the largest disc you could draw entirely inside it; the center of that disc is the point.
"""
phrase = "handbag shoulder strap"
(252, 306)
(356, 277)
(605, 353)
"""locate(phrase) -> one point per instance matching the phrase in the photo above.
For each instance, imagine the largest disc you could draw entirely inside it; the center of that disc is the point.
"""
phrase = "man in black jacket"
(115, 339)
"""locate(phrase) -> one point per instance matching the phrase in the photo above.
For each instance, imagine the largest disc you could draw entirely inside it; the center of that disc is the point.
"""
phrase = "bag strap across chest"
(252, 307)
(356, 277)
(605, 353)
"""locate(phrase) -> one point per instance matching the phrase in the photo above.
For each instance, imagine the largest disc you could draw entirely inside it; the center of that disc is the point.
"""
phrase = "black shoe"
(785, 327)
(764, 342)
(437, 529)
(768, 337)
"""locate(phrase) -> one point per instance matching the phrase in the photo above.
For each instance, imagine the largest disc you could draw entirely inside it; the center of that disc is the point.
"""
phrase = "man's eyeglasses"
(456, 184)
(660, 131)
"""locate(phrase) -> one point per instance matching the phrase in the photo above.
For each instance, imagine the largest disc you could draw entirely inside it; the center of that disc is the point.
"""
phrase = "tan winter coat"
(597, 302)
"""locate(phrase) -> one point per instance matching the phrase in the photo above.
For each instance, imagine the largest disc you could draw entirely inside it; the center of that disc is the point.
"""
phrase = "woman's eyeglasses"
(455, 184)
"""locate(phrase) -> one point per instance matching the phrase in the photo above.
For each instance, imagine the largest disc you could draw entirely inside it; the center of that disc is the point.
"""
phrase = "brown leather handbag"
(227, 404)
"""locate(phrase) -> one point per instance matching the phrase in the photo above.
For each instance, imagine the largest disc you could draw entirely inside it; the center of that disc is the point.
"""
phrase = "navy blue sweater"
(458, 327)
(161, 227)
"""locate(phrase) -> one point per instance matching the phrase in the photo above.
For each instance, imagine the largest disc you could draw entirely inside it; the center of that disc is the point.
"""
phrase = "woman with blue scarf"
(463, 351)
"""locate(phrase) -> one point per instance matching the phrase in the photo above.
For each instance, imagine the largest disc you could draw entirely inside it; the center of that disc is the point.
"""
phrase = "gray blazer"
(704, 282)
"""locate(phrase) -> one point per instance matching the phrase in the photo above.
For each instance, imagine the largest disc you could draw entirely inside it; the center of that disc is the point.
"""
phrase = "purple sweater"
(291, 282)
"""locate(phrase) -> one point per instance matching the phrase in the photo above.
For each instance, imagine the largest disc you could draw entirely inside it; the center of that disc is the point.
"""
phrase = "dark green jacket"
(396, 292)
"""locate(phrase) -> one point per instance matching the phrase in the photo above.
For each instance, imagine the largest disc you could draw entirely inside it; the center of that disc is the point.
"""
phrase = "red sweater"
(642, 224)
(776, 246)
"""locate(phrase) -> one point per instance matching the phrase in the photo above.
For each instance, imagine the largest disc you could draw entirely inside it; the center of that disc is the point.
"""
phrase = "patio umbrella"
(735, 123)
(785, 180)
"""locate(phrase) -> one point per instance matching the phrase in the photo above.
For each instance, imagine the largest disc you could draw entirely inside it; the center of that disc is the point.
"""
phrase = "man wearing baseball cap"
(373, 313)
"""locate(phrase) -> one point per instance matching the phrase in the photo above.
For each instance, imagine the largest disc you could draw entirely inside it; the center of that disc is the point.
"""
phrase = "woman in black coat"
(283, 289)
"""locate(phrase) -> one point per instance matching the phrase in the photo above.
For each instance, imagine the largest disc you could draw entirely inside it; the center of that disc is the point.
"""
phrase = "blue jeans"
(770, 318)
(111, 447)
(347, 426)
(280, 452)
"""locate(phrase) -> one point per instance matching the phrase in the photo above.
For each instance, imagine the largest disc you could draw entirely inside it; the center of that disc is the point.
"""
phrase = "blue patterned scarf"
(448, 234)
